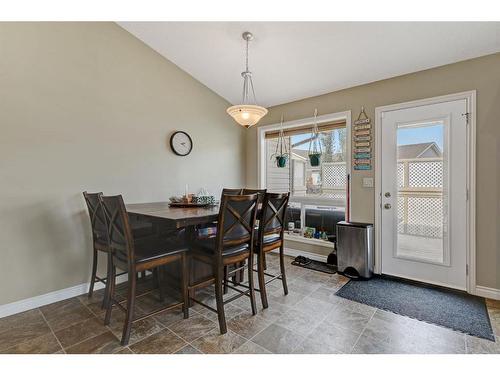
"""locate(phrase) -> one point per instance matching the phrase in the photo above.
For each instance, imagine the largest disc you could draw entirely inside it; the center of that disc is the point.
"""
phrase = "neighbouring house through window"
(318, 193)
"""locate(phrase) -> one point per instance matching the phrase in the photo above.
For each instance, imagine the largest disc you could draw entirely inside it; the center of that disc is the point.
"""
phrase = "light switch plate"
(368, 182)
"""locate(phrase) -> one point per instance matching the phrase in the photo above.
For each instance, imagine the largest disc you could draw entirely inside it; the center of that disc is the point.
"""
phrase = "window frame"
(330, 117)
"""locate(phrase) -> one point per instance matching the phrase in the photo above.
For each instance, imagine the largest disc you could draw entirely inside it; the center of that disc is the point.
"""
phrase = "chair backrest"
(236, 221)
(97, 218)
(261, 193)
(121, 240)
(231, 191)
(273, 214)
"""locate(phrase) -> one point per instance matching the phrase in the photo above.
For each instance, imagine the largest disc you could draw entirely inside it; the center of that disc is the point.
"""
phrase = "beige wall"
(86, 106)
(483, 75)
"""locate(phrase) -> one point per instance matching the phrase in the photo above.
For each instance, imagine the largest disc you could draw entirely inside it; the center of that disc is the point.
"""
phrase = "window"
(327, 181)
(318, 193)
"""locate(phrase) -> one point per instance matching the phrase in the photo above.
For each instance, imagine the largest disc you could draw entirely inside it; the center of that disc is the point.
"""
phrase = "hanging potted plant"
(315, 150)
(281, 154)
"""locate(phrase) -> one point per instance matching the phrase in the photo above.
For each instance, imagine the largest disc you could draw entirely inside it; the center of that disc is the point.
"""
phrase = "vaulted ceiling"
(295, 60)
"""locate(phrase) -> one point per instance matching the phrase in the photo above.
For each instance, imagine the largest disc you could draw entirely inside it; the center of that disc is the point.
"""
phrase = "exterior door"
(424, 193)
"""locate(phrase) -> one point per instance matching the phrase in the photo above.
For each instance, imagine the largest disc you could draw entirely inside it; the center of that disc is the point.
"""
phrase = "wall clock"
(181, 143)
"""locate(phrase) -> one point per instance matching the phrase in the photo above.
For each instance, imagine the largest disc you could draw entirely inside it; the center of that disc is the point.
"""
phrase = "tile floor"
(311, 319)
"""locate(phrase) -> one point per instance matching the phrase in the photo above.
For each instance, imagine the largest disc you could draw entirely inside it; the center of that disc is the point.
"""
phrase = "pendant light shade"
(248, 113)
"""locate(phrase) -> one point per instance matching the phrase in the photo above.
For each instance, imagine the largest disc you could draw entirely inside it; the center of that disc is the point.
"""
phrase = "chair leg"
(143, 274)
(282, 269)
(191, 291)
(94, 274)
(105, 300)
(241, 274)
(264, 261)
(157, 276)
(238, 277)
(127, 325)
(111, 292)
(250, 284)
(219, 299)
(185, 284)
(226, 289)
(262, 281)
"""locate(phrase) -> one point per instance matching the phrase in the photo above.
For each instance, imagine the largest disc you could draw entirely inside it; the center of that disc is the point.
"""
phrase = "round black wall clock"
(181, 143)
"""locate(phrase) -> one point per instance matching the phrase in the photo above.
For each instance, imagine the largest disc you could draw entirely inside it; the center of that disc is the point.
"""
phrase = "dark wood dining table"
(173, 217)
(166, 219)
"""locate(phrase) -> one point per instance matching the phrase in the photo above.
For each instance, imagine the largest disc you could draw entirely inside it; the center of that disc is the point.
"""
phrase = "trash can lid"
(354, 224)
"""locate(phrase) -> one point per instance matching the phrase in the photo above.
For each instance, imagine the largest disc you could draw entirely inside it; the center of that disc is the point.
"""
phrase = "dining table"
(181, 221)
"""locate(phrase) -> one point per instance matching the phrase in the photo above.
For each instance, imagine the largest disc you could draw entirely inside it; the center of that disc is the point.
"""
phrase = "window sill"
(318, 201)
(310, 241)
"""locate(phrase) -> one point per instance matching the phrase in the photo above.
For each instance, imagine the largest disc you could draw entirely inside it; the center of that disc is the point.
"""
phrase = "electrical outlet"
(368, 182)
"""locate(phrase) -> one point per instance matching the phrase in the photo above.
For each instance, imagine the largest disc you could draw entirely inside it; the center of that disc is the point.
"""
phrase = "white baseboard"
(294, 253)
(51, 297)
(486, 292)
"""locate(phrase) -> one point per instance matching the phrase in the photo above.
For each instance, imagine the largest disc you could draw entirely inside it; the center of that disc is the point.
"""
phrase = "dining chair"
(260, 198)
(232, 245)
(99, 240)
(270, 237)
(137, 256)
(140, 229)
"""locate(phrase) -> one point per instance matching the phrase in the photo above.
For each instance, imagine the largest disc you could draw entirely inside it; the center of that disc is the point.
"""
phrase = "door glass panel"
(421, 199)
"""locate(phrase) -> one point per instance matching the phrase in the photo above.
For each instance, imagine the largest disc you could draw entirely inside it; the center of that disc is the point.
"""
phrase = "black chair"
(270, 237)
(232, 246)
(137, 256)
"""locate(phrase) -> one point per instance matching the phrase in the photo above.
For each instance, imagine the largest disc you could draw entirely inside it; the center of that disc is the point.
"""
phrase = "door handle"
(387, 206)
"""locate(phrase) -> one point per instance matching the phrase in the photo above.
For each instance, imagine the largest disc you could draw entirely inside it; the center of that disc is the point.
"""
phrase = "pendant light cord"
(246, 60)
(247, 80)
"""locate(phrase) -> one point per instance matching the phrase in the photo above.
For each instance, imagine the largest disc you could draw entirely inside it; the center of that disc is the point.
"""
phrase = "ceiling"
(295, 60)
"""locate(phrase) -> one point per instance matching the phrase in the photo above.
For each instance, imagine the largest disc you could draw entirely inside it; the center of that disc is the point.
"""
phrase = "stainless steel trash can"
(355, 249)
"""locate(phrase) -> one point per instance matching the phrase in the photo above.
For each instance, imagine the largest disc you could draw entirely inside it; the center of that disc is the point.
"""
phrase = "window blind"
(307, 129)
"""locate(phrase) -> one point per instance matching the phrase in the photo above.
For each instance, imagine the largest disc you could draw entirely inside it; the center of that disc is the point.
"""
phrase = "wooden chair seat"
(208, 246)
(270, 238)
(153, 249)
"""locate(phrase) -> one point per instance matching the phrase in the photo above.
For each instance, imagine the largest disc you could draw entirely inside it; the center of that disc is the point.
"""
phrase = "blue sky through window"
(406, 136)
(305, 146)
(421, 134)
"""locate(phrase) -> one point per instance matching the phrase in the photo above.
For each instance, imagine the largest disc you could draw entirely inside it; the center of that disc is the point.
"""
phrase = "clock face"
(181, 143)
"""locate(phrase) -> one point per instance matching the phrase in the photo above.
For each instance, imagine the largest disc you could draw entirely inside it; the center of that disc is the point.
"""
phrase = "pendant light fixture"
(248, 113)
